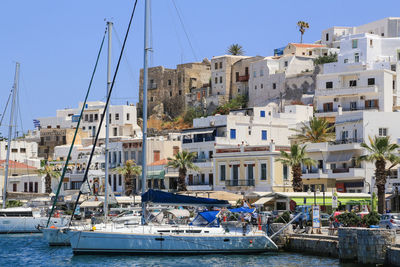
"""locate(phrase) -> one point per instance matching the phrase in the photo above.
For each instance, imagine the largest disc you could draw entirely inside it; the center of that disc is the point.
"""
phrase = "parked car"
(325, 219)
(390, 221)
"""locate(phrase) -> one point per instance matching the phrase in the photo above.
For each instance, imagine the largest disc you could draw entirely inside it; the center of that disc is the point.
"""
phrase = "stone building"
(169, 86)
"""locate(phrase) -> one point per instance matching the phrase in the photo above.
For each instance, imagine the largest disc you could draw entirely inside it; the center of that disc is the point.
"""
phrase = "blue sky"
(56, 42)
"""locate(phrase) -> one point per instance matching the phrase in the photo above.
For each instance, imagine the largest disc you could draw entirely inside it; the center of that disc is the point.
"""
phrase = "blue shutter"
(233, 133)
(262, 113)
(264, 135)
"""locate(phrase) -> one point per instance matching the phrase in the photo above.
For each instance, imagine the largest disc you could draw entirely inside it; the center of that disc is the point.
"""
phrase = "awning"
(328, 200)
(179, 213)
(198, 131)
(91, 204)
(263, 200)
(242, 210)
(339, 157)
(128, 200)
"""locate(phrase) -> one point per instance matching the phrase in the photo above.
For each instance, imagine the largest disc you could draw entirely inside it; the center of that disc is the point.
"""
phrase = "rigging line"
(76, 131)
(184, 29)
(176, 33)
(5, 109)
(151, 39)
(104, 111)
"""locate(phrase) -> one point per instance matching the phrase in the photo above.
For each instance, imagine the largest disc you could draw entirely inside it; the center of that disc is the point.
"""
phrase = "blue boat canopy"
(206, 218)
(161, 197)
(242, 210)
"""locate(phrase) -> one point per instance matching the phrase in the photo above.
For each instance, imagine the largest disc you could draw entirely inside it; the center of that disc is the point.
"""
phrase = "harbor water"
(32, 250)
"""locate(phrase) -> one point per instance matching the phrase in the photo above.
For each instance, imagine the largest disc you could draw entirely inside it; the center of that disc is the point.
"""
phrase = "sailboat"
(20, 219)
(160, 239)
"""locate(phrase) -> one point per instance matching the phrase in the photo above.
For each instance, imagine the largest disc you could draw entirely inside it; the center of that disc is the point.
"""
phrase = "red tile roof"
(307, 45)
(16, 165)
(159, 162)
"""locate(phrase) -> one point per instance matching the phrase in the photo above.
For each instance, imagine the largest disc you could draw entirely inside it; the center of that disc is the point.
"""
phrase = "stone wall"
(373, 243)
(313, 244)
(347, 244)
(393, 256)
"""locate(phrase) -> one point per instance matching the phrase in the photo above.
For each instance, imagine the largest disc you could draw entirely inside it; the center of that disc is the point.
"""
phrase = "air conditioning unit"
(362, 97)
(336, 99)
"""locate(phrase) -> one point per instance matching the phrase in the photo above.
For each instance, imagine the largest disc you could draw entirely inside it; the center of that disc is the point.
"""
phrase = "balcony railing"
(345, 109)
(199, 139)
(243, 78)
(239, 182)
(347, 141)
(197, 160)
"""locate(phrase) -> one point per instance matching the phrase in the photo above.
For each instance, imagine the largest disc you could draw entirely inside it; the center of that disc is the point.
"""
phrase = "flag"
(36, 123)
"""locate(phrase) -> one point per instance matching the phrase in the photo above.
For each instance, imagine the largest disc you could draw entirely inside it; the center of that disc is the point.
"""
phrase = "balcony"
(345, 109)
(347, 141)
(347, 91)
(199, 139)
(243, 78)
(239, 182)
(337, 173)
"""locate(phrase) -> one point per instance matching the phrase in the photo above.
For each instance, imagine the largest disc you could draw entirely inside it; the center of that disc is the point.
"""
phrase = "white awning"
(128, 200)
(179, 213)
(263, 200)
(91, 204)
(339, 157)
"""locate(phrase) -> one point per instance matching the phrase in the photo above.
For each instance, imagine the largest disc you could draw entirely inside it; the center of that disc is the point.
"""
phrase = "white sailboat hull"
(10, 225)
(119, 242)
(56, 236)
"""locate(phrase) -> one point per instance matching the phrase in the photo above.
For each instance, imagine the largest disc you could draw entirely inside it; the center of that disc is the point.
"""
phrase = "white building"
(123, 119)
(258, 126)
(337, 165)
(21, 151)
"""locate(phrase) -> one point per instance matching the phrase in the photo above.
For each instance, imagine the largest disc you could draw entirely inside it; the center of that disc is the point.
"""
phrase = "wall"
(314, 244)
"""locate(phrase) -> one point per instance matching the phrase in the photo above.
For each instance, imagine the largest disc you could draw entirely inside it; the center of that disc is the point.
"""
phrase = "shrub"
(349, 219)
(372, 218)
(332, 57)
(13, 203)
(284, 218)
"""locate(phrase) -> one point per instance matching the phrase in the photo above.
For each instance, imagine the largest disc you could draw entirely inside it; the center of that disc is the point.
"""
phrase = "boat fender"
(93, 228)
(251, 241)
(52, 227)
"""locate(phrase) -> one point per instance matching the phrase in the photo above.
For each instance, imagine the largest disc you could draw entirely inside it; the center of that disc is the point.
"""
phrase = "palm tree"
(317, 130)
(49, 173)
(295, 159)
(302, 28)
(235, 50)
(380, 151)
(129, 170)
(183, 161)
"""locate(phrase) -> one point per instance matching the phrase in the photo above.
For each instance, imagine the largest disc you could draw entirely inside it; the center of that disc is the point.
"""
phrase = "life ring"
(57, 215)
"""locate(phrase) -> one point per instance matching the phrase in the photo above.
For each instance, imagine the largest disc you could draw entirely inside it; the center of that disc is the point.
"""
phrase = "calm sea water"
(31, 250)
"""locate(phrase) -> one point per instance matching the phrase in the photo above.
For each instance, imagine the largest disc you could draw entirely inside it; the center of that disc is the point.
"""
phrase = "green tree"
(235, 50)
(295, 159)
(183, 161)
(332, 57)
(239, 101)
(302, 28)
(129, 171)
(317, 130)
(380, 151)
(49, 173)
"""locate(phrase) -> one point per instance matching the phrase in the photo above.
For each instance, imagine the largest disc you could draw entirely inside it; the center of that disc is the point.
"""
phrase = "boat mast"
(10, 126)
(145, 81)
(109, 27)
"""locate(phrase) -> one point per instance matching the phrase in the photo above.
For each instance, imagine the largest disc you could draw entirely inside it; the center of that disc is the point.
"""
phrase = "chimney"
(272, 146)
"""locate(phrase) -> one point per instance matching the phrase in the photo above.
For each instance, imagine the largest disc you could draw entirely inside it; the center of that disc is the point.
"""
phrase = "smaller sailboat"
(20, 219)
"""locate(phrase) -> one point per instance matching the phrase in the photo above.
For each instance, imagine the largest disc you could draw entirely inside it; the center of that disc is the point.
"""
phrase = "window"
(180, 92)
(151, 99)
(353, 105)
(156, 154)
(383, 131)
(220, 65)
(36, 187)
(370, 43)
(264, 134)
(373, 103)
(356, 57)
(25, 187)
(261, 72)
(65, 186)
(133, 155)
(250, 172)
(216, 65)
(255, 87)
(170, 93)
(263, 171)
(14, 187)
(262, 113)
(15, 150)
(310, 53)
(120, 180)
(329, 85)
(216, 80)
(285, 172)
(90, 118)
(237, 76)
(96, 117)
(286, 63)
(86, 117)
(371, 81)
(246, 70)
(345, 135)
(354, 43)
(233, 133)
(327, 37)
(109, 116)
(274, 86)
(116, 116)
(222, 171)
(220, 79)
(262, 86)
(345, 60)
(115, 131)
(126, 155)
(64, 141)
(119, 157)
(169, 82)
(353, 83)
(328, 107)
(254, 74)
(355, 135)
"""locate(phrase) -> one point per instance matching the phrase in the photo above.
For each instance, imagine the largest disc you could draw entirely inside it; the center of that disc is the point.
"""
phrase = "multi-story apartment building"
(21, 151)
(122, 119)
(387, 27)
(169, 86)
(257, 126)
(365, 77)
(282, 77)
(337, 165)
